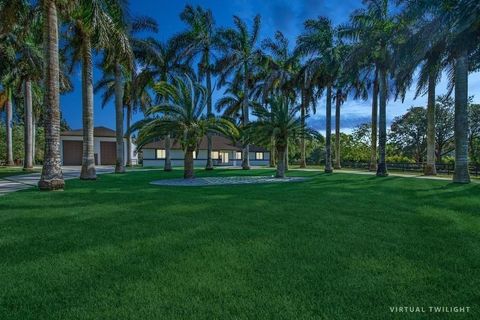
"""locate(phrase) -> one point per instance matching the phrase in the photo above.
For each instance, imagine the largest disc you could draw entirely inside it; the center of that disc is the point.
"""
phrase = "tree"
(240, 58)
(444, 124)
(200, 40)
(185, 107)
(281, 122)
(161, 62)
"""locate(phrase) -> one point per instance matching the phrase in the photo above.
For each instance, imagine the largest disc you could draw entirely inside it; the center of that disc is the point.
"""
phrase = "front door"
(224, 157)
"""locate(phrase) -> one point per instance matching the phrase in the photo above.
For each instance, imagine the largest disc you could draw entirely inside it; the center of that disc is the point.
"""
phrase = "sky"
(284, 15)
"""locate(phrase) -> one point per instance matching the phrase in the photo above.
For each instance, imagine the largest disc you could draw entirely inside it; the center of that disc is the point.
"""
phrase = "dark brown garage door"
(108, 153)
(72, 153)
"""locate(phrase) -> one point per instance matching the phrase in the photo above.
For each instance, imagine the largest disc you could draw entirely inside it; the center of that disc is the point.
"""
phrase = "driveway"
(25, 181)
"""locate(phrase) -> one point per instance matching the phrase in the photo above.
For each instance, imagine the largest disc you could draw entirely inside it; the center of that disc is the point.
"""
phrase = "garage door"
(72, 153)
(108, 153)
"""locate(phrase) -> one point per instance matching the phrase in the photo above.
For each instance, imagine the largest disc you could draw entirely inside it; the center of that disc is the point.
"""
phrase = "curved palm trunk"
(28, 139)
(88, 171)
(461, 174)
(328, 134)
(209, 165)
(338, 102)
(246, 148)
(168, 158)
(382, 119)
(119, 164)
(9, 120)
(430, 169)
(303, 161)
(129, 136)
(52, 176)
(374, 127)
(189, 172)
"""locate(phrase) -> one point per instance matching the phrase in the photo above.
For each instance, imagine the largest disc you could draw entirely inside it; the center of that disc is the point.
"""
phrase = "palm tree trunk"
(281, 162)
(9, 123)
(382, 119)
(286, 158)
(34, 139)
(88, 171)
(28, 139)
(374, 127)
(272, 153)
(52, 176)
(328, 135)
(189, 172)
(246, 147)
(209, 165)
(303, 161)
(168, 160)
(461, 174)
(119, 164)
(338, 103)
(430, 169)
(129, 136)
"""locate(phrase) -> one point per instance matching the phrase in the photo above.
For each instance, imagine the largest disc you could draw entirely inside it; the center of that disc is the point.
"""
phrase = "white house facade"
(71, 147)
(224, 153)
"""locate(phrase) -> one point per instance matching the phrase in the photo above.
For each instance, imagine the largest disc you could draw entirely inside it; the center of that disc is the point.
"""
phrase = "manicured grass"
(334, 247)
(13, 171)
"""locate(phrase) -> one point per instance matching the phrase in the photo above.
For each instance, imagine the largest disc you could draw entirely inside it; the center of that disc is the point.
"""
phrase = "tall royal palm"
(200, 41)
(319, 39)
(240, 58)
(373, 30)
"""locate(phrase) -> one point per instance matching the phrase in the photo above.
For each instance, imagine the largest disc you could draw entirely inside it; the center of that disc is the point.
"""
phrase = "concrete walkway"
(30, 180)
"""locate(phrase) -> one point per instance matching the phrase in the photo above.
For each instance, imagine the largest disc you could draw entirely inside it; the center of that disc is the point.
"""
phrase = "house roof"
(218, 143)
(97, 132)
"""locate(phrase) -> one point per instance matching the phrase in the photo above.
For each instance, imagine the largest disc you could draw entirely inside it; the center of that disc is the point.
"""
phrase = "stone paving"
(30, 180)
(218, 181)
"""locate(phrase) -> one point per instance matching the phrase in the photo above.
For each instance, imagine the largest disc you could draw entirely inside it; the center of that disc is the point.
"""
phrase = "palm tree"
(119, 60)
(240, 58)
(90, 27)
(200, 40)
(182, 115)
(373, 31)
(52, 176)
(319, 39)
(279, 122)
(161, 62)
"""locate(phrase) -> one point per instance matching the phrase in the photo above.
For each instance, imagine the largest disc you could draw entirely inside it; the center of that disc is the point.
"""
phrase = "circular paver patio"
(218, 181)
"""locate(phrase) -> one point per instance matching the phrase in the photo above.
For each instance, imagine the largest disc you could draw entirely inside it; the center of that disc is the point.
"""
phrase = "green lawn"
(334, 247)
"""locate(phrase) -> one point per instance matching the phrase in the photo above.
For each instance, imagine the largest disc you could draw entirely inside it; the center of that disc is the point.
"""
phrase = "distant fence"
(413, 167)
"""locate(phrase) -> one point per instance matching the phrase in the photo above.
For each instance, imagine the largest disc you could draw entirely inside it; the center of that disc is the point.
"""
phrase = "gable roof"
(219, 143)
(97, 132)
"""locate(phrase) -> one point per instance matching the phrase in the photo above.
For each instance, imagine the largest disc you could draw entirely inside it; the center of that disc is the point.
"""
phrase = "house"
(71, 147)
(224, 153)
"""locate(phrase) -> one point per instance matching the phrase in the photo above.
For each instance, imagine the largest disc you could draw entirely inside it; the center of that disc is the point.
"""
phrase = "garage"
(108, 152)
(72, 153)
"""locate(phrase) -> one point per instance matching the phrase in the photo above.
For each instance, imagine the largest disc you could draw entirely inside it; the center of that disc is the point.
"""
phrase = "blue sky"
(286, 16)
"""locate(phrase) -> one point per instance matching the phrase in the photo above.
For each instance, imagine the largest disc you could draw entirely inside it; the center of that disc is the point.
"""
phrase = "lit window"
(215, 155)
(239, 155)
(259, 155)
(161, 154)
(194, 154)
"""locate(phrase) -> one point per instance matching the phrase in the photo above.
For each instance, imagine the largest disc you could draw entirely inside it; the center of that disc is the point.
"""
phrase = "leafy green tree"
(409, 133)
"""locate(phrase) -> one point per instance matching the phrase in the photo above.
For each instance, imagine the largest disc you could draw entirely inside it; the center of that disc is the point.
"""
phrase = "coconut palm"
(199, 41)
(161, 62)
(279, 121)
(182, 115)
(240, 59)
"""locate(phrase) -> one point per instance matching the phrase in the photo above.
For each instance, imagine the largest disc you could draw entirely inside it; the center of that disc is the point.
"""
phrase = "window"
(259, 155)
(215, 155)
(160, 154)
(194, 154)
(238, 155)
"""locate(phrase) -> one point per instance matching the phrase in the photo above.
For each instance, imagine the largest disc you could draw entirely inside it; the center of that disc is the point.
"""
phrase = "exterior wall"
(96, 147)
(177, 156)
